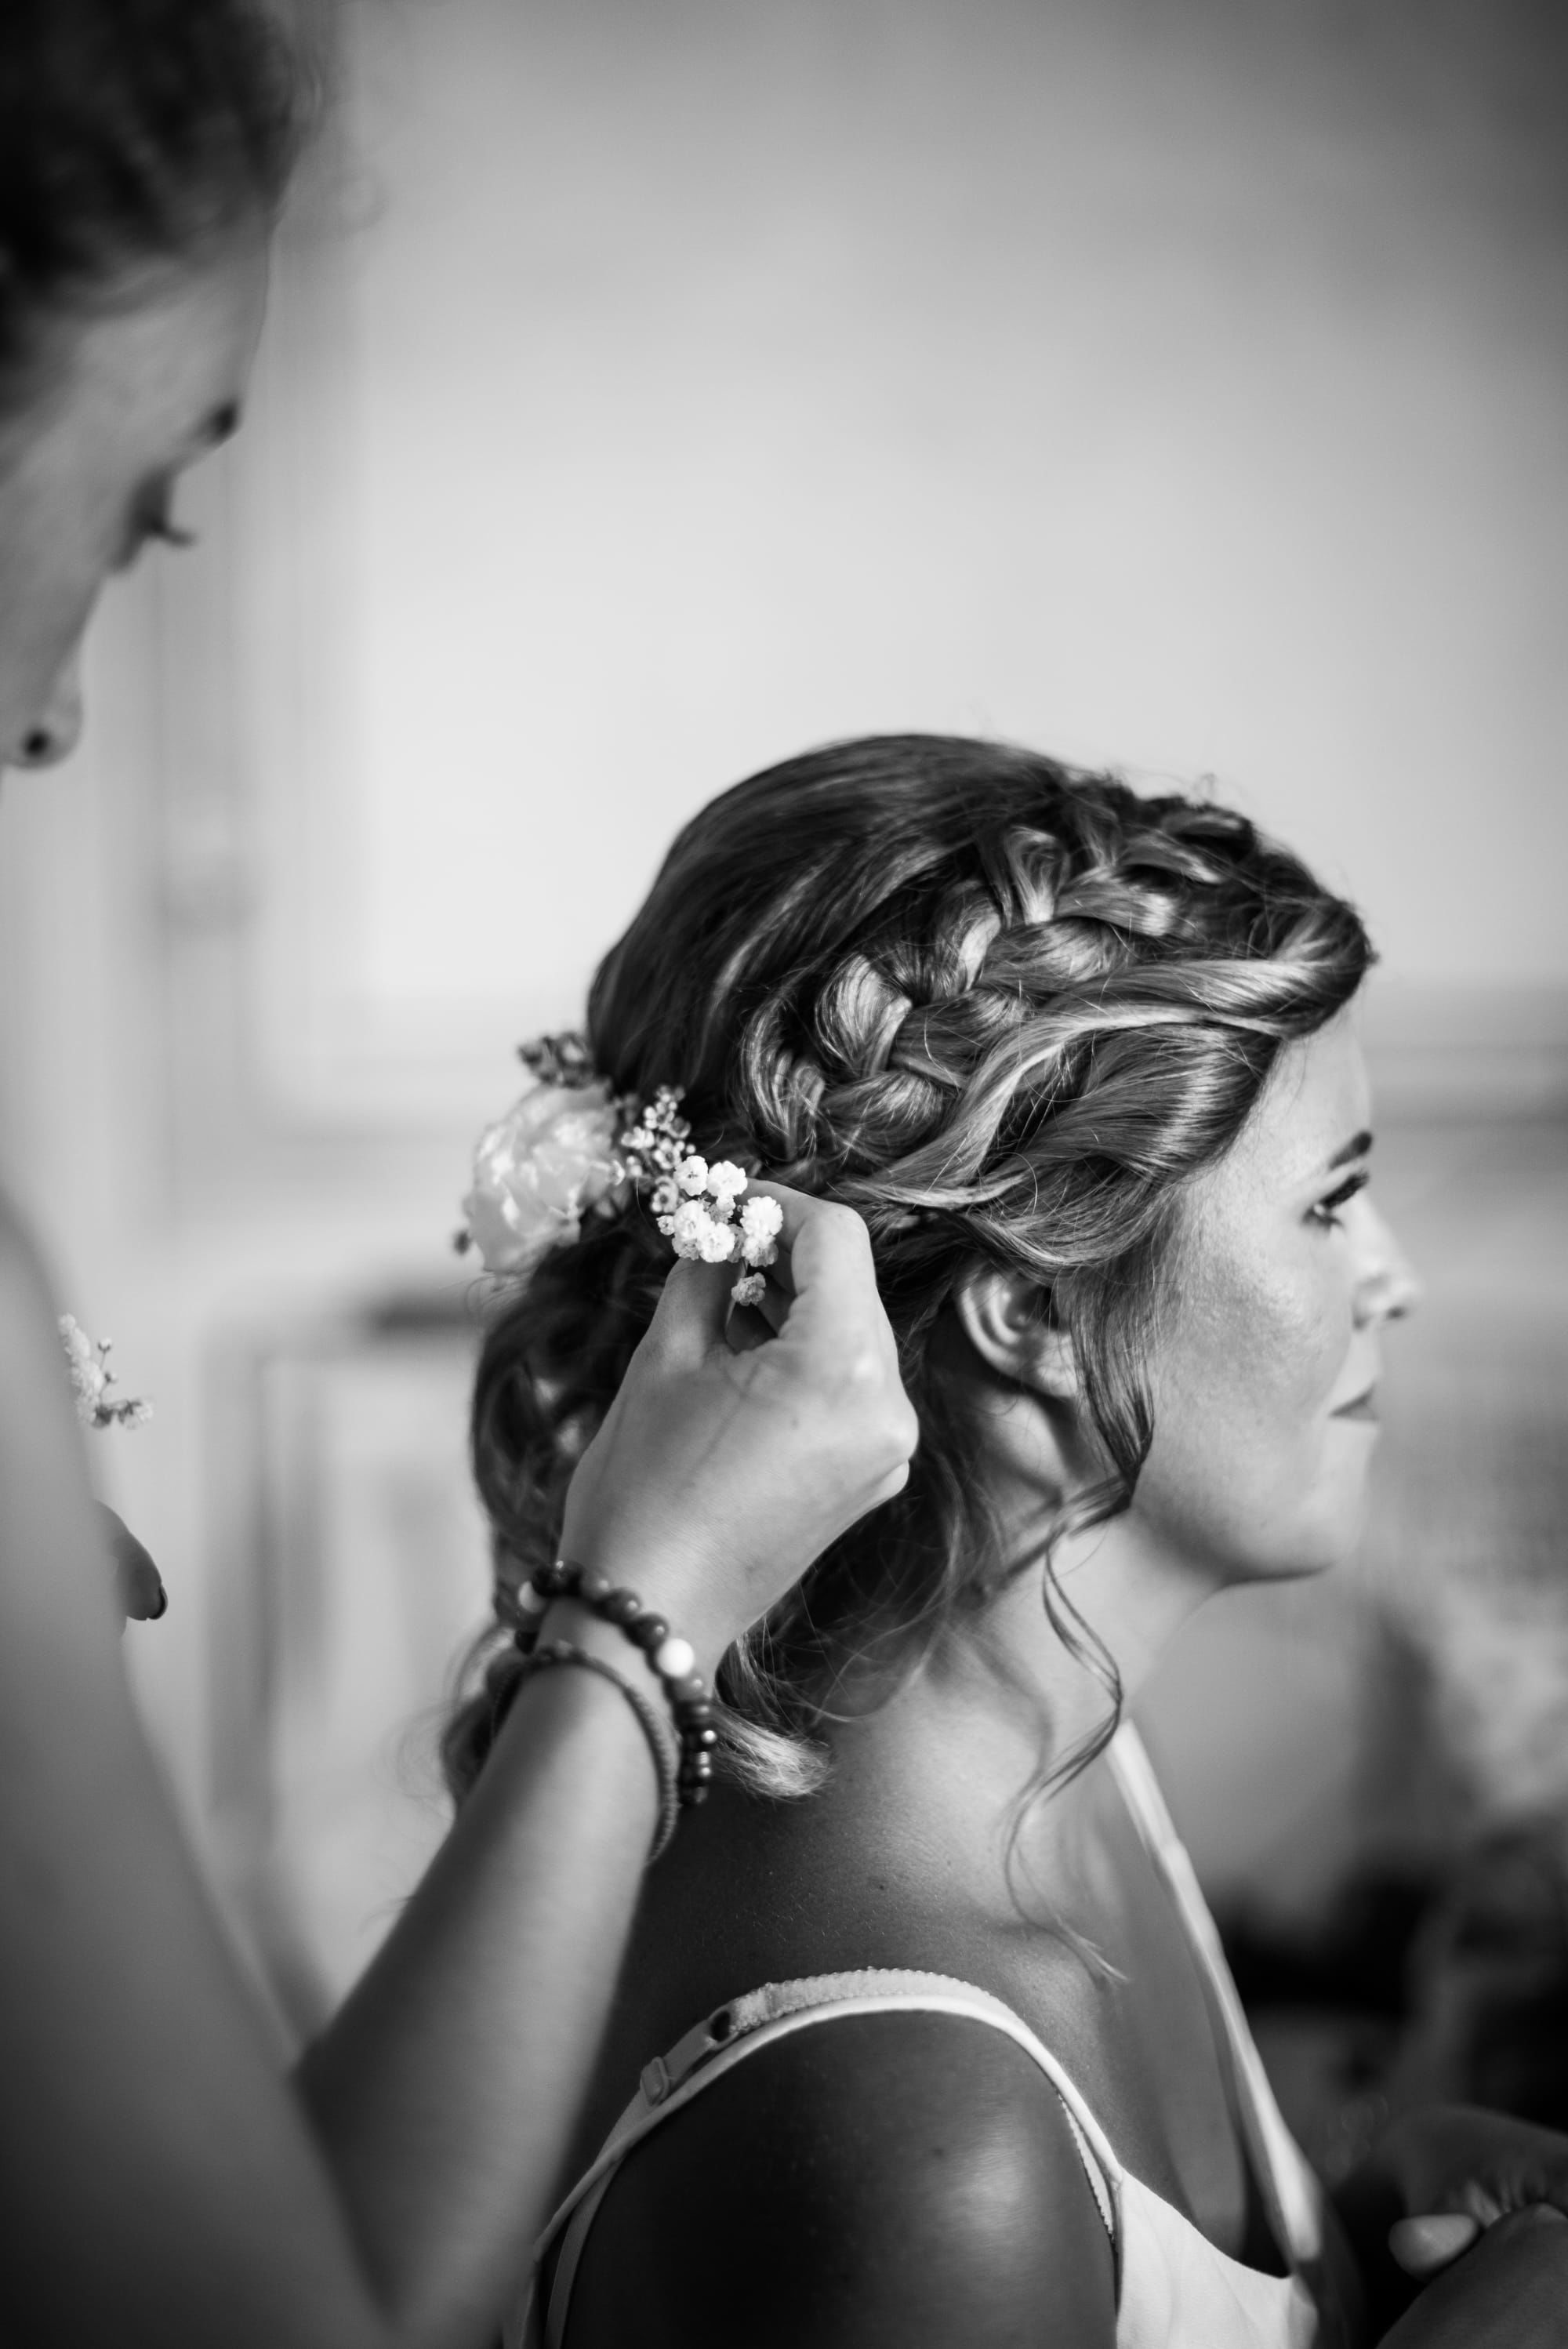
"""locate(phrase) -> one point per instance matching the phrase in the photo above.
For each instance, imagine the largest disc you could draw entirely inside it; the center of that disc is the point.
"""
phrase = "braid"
(1004, 1008)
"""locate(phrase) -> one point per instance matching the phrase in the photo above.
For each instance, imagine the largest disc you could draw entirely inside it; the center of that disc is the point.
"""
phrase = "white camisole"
(1174, 2288)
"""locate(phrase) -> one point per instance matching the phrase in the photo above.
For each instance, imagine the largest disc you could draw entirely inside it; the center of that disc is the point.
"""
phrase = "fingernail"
(1424, 2244)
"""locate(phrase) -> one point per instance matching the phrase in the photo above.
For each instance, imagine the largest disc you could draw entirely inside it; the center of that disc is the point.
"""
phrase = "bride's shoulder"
(899, 2177)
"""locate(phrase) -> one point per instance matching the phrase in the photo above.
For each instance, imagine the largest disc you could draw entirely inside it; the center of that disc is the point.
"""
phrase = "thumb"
(1421, 2246)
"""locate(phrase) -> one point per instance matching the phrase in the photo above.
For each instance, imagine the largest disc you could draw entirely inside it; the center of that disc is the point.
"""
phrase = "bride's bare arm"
(908, 2178)
(446, 2088)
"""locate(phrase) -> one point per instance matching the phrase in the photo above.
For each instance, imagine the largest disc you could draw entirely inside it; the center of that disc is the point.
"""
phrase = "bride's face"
(1264, 1374)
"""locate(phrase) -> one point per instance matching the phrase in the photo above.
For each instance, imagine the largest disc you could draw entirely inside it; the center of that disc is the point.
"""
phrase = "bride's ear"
(1007, 1320)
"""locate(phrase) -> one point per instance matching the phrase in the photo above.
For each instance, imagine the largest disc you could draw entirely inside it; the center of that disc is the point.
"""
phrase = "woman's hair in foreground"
(1003, 1009)
(131, 132)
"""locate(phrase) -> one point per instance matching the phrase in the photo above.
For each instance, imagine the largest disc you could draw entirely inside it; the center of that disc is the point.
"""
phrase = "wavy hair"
(1005, 1010)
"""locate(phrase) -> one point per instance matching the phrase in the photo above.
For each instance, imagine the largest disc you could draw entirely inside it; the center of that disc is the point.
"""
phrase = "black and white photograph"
(783, 1173)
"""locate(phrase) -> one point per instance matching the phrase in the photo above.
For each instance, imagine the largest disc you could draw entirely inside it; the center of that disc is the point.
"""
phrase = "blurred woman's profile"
(162, 2182)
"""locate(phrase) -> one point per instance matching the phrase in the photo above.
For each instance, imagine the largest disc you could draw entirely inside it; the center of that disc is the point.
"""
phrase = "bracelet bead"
(674, 1660)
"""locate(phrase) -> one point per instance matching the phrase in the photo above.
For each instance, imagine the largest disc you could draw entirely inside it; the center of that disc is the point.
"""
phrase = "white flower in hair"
(702, 1224)
(569, 1148)
(717, 1244)
(688, 1226)
(538, 1170)
(724, 1184)
(761, 1221)
(698, 1237)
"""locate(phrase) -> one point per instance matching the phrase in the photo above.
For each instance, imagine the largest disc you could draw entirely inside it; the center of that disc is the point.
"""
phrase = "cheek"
(1244, 1458)
(1271, 1334)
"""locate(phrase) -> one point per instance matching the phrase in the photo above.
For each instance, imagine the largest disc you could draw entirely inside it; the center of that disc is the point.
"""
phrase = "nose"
(1388, 1287)
(55, 731)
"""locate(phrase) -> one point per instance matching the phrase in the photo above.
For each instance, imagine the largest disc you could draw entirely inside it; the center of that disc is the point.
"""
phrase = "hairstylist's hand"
(726, 1465)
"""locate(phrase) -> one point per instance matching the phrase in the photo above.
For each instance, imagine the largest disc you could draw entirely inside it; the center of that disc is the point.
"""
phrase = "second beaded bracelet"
(661, 1743)
(673, 1658)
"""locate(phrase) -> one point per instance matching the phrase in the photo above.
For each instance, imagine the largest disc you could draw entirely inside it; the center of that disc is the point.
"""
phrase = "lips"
(1362, 1406)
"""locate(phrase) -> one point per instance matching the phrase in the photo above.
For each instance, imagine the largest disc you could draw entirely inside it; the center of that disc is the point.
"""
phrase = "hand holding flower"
(724, 1467)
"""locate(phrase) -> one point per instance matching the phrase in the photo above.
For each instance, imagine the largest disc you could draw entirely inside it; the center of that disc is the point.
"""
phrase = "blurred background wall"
(651, 390)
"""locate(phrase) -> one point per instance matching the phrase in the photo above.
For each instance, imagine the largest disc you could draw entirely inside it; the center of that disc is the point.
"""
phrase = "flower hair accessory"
(702, 1224)
(93, 1383)
(695, 1203)
(543, 1165)
(569, 1148)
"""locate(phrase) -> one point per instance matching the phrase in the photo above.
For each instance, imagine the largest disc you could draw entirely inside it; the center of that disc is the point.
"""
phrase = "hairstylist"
(162, 2182)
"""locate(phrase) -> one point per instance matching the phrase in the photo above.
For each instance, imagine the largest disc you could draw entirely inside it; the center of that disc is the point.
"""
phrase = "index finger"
(824, 1264)
(808, 1223)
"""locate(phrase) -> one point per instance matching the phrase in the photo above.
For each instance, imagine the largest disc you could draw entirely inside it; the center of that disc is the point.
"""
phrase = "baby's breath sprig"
(704, 1226)
(93, 1381)
(653, 1146)
(695, 1203)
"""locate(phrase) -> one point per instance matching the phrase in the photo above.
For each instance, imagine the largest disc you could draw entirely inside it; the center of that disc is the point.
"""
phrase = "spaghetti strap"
(1290, 2190)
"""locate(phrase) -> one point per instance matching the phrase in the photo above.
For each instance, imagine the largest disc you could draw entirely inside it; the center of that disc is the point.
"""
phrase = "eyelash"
(1323, 1213)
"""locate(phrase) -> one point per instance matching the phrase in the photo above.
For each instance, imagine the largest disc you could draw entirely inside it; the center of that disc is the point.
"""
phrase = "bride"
(934, 2035)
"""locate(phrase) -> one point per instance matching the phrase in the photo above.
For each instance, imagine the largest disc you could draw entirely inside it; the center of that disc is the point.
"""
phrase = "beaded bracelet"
(673, 1658)
(658, 1732)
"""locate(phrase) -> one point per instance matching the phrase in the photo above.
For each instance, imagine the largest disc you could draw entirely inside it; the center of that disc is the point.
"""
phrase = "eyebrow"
(1356, 1147)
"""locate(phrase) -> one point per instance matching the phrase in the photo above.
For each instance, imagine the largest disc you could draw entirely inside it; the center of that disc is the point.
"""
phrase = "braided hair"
(1004, 1008)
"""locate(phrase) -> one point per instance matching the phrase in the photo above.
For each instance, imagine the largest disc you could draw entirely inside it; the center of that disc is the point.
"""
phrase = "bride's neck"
(940, 1763)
